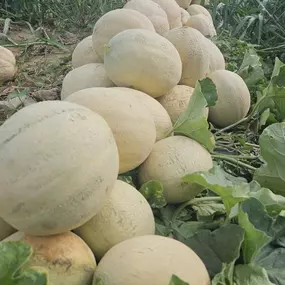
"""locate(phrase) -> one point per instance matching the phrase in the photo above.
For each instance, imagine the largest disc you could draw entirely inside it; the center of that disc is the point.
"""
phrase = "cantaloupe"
(66, 257)
(84, 53)
(8, 68)
(172, 11)
(159, 114)
(217, 60)
(200, 2)
(183, 3)
(194, 54)
(114, 22)
(203, 24)
(5, 229)
(85, 76)
(176, 101)
(196, 9)
(58, 161)
(233, 101)
(184, 16)
(131, 123)
(150, 260)
(143, 60)
(125, 214)
(170, 160)
(153, 11)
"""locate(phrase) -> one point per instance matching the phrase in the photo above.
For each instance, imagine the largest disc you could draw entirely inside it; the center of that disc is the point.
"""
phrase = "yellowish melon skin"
(159, 114)
(184, 16)
(217, 60)
(194, 54)
(8, 67)
(5, 229)
(125, 214)
(115, 22)
(64, 159)
(184, 3)
(206, 2)
(203, 24)
(66, 257)
(170, 160)
(84, 53)
(135, 58)
(176, 101)
(132, 124)
(150, 260)
(233, 101)
(196, 9)
(153, 11)
(85, 76)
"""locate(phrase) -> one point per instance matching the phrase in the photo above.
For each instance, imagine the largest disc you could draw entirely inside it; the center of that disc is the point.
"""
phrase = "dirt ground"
(43, 59)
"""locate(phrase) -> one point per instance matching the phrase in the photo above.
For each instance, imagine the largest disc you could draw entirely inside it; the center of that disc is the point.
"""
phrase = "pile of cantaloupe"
(60, 160)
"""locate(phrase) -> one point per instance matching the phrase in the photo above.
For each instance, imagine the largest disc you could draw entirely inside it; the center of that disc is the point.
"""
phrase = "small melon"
(8, 68)
(115, 22)
(183, 3)
(5, 229)
(132, 124)
(125, 214)
(196, 9)
(170, 160)
(176, 101)
(84, 53)
(150, 260)
(233, 101)
(58, 160)
(184, 16)
(153, 11)
(66, 257)
(203, 24)
(85, 76)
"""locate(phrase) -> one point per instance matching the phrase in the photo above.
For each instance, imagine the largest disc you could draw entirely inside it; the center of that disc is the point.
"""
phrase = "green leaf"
(209, 91)
(193, 123)
(175, 280)
(208, 209)
(251, 275)
(218, 247)
(13, 257)
(225, 277)
(272, 146)
(153, 191)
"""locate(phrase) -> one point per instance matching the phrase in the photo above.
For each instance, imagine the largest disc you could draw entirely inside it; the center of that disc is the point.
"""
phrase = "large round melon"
(217, 60)
(233, 101)
(125, 214)
(5, 229)
(132, 124)
(85, 76)
(196, 9)
(170, 160)
(115, 22)
(183, 3)
(8, 67)
(203, 24)
(184, 16)
(84, 53)
(150, 260)
(159, 114)
(57, 162)
(66, 257)
(143, 60)
(153, 11)
(176, 101)
(194, 54)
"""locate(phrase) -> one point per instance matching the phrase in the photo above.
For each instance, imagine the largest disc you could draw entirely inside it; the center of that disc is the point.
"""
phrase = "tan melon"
(170, 160)
(62, 174)
(184, 16)
(159, 114)
(129, 63)
(200, 2)
(5, 229)
(66, 257)
(196, 9)
(131, 123)
(183, 3)
(233, 101)
(194, 54)
(114, 22)
(8, 67)
(217, 60)
(153, 11)
(125, 214)
(85, 76)
(150, 260)
(203, 24)
(84, 53)
(176, 101)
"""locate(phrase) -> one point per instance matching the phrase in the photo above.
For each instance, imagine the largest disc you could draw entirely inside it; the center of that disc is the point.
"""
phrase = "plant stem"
(231, 159)
(193, 201)
(248, 157)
